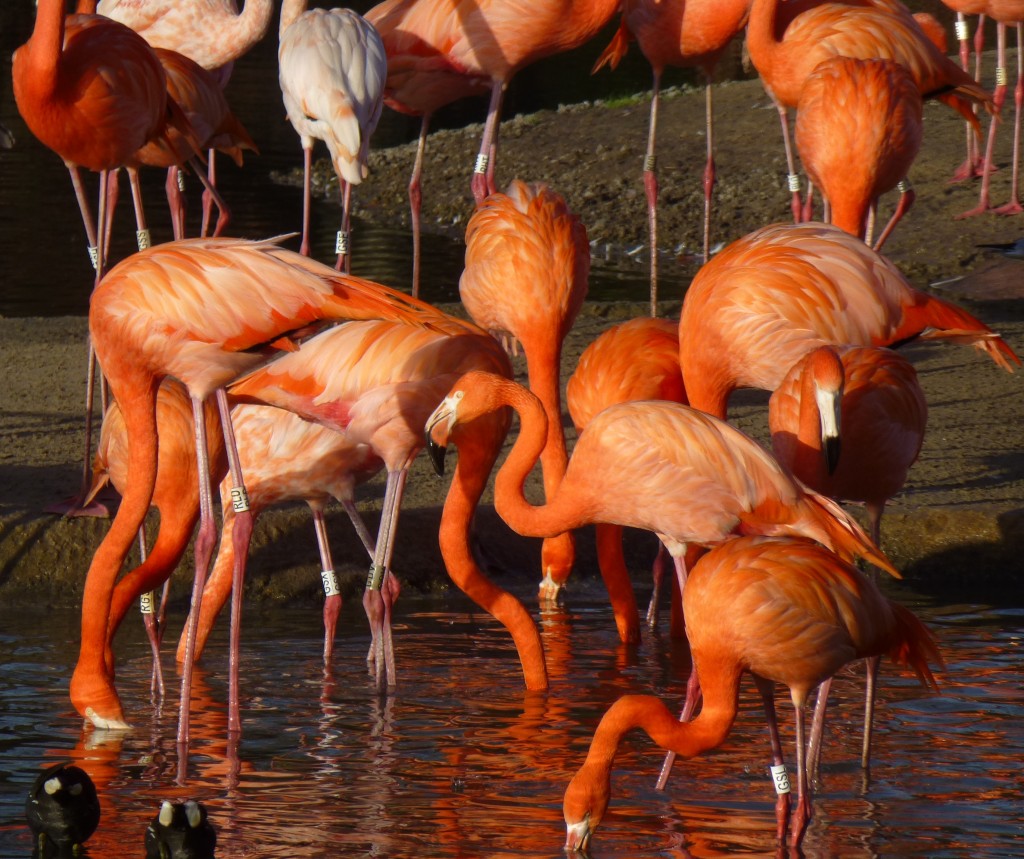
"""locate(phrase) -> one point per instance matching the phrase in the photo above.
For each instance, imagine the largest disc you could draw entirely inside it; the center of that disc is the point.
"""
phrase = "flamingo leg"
(345, 233)
(1014, 207)
(142, 237)
(307, 164)
(156, 683)
(208, 195)
(612, 564)
(657, 576)
(483, 170)
(651, 189)
(332, 596)
(709, 169)
(872, 663)
(210, 192)
(379, 595)
(693, 697)
(803, 804)
(971, 166)
(998, 98)
(175, 202)
(818, 729)
(415, 203)
(779, 775)
(792, 178)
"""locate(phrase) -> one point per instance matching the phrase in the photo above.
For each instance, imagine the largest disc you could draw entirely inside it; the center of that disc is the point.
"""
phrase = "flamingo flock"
(282, 378)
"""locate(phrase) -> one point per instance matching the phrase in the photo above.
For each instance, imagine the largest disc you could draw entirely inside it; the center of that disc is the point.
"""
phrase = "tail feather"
(915, 647)
(616, 50)
(934, 318)
(847, 537)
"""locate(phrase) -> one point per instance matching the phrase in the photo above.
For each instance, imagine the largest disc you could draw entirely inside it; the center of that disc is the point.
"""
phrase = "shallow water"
(460, 762)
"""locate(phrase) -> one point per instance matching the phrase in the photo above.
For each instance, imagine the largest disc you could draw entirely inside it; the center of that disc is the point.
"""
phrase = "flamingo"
(971, 166)
(786, 46)
(634, 360)
(332, 71)
(1004, 12)
(676, 33)
(781, 291)
(377, 382)
(213, 33)
(217, 128)
(491, 40)
(654, 465)
(204, 311)
(420, 81)
(526, 277)
(784, 609)
(883, 419)
(859, 127)
(94, 92)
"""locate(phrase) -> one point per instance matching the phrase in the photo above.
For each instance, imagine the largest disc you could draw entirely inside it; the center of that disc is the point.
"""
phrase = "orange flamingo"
(653, 465)
(332, 70)
(94, 92)
(772, 296)
(376, 382)
(1004, 12)
(421, 80)
(634, 360)
(883, 414)
(211, 32)
(492, 40)
(787, 43)
(883, 417)
(676, 33)
(527, 265)
(175, 495)
(783, 609)
(203, 311)
(859, 127)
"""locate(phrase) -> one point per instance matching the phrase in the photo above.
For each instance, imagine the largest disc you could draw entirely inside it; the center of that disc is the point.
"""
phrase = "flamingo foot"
(970, 169)
(1011, 208)
(79, 506)
(980, 209)
(95, 698)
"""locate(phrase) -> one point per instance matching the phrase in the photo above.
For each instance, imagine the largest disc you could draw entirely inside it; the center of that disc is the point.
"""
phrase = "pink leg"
(998, 97)
(332, 596)
(483, 170)
(210, 190)
(780, 777)
(971, 166)
(307, 158)
(657, 575)
(693, 696)
(792, 179)
(871, 664)
(709, 171)
(1014, 206)
(152, 624)
(345, 233)
(651, 189)
(208, 197)
(379, 595)
(415, 202)
(142, 237)
(803, 804)
(818, 729)
(175, 202)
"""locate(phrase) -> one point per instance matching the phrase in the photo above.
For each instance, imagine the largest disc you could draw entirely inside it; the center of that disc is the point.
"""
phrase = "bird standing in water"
(784, 609)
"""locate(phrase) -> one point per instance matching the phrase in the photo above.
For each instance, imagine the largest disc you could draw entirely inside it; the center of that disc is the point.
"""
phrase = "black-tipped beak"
(436, 453)
(832, 448)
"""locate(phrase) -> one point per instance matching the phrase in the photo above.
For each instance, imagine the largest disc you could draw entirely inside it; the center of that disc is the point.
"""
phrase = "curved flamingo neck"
(762, 38)
(510, 501)
(648, 713)
(478, 452)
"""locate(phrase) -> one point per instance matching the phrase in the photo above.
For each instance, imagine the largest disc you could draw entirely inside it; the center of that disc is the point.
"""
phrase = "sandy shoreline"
(957, 527)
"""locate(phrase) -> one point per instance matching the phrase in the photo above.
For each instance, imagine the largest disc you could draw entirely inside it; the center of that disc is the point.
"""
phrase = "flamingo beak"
(443, 418)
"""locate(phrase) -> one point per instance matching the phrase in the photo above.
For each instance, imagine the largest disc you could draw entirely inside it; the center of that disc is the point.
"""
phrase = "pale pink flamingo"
(786, 611)
(492, 40)
(687, 33)
(332, 69)
(377, 383)
(526, 277)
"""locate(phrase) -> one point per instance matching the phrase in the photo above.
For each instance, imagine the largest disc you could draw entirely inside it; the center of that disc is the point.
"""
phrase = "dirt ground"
(957, 529)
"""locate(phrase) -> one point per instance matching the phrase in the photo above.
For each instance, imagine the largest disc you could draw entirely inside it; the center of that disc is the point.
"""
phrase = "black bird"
(180, 831)
(62, 810)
